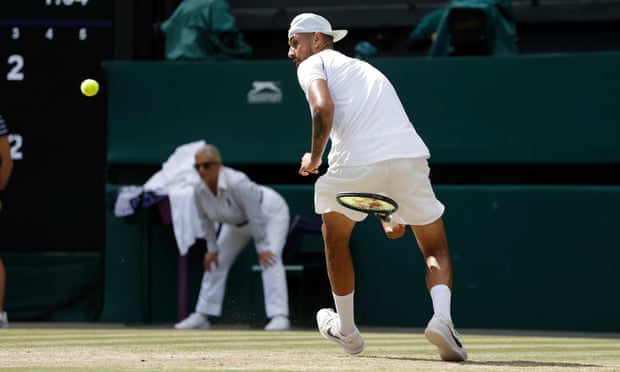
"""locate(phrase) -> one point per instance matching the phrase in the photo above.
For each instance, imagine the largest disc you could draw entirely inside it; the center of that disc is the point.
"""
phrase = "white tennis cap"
(310, 22)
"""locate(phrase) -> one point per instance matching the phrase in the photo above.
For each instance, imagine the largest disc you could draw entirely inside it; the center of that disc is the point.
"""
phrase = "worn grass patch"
(144, 349)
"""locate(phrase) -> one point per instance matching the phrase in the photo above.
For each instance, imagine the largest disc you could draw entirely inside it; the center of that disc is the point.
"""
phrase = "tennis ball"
(89, 87)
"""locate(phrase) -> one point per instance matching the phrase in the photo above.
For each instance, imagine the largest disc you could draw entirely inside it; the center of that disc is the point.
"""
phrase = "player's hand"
(209, 260)
(307, 167)
(267, 259)
(394, 231)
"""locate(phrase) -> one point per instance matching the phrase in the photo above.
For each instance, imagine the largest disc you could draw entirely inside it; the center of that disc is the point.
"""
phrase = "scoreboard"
(53, 201)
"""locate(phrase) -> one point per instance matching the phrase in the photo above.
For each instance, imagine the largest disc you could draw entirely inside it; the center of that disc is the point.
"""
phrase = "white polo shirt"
(370, 123)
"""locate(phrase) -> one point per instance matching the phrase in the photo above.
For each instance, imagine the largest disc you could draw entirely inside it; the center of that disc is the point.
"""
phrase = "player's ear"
(316, 39)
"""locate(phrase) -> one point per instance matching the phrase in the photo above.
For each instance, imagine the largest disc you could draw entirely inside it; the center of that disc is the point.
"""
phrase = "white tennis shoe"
(329, 326)
(278, 323)
(441, 333)
(194, 321)
(4, 320)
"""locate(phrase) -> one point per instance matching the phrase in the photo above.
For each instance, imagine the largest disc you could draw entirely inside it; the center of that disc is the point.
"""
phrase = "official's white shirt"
(238, 201)
(368, 112)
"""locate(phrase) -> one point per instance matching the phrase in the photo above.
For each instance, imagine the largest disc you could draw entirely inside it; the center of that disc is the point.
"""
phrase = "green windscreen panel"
(522, 109)
(255, 112)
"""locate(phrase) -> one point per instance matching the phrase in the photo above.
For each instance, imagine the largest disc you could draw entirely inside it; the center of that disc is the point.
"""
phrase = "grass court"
(30, 347)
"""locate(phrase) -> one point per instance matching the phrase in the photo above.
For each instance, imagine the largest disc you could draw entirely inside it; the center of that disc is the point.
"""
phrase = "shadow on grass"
(512, 363)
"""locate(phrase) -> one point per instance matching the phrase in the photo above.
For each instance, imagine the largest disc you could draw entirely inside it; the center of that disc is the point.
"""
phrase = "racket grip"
(389, 222)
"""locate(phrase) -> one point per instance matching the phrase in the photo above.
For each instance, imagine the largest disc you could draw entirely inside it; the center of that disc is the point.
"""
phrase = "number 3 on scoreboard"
(17, 65)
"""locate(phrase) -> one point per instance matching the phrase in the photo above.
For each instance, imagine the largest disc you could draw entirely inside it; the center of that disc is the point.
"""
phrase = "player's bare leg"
(440, 331)
(336, 231)
(433, 243)
(4, 321)
(340, 326)
(2, 284)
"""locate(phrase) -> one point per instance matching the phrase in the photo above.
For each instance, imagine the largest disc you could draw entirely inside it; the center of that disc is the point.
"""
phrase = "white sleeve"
(309, 70)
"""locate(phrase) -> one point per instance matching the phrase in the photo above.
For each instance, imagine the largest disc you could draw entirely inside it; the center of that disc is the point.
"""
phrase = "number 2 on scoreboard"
(16, 71)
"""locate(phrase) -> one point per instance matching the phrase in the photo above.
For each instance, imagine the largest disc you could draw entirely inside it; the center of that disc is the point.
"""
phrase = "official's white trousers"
(232, 240)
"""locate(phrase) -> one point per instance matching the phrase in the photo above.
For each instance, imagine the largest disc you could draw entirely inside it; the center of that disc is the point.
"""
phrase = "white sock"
(441, 296)
(344, 308)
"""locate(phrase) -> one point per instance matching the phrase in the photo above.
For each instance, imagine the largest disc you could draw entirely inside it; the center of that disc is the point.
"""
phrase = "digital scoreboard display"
(56, 9)
(47, 47)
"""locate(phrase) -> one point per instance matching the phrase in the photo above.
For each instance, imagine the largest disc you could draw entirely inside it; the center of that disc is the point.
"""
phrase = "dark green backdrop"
(526, 256)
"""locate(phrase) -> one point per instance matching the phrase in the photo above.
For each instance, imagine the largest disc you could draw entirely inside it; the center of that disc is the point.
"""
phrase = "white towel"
(177, 179)
(122, 204)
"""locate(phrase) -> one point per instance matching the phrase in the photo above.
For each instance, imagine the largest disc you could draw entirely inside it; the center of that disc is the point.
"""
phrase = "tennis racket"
(376, 205)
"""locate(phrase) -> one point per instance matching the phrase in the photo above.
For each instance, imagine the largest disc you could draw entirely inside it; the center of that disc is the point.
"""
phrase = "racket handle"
(389, 222)
(392, 224)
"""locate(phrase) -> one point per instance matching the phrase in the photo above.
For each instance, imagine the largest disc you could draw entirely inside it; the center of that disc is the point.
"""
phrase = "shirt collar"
(222, 180)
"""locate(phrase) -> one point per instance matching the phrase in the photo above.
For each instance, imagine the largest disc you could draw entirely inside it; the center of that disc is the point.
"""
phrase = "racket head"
(376, 204)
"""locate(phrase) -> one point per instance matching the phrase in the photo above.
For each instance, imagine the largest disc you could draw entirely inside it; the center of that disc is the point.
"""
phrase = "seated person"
(245, 210)
(467, 27)
(425, 32)
(203, 29)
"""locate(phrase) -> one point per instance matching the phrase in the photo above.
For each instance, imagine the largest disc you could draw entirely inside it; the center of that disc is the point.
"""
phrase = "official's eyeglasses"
(206, 165)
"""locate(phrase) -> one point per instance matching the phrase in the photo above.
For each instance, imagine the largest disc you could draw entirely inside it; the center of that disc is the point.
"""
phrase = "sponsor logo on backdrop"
(265, 92)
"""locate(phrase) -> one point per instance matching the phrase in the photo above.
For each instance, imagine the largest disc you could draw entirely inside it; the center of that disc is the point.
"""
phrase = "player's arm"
(322, 108)
(211, 256)
(6, 162)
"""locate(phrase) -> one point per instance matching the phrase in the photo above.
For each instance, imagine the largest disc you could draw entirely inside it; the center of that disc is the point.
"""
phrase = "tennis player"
(6, 168)
(374, 148)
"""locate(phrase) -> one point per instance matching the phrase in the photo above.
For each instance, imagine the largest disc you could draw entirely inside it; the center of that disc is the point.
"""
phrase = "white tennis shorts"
(406, 180)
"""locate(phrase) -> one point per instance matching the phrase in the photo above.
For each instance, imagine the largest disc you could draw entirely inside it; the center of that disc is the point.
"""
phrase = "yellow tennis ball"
(89, 87)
